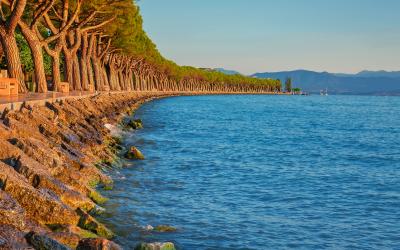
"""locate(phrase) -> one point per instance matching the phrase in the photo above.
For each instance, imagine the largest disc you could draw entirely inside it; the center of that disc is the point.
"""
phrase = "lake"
(262, 172)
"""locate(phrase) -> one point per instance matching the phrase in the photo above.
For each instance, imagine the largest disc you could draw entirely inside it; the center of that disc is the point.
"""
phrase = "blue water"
(263, 172)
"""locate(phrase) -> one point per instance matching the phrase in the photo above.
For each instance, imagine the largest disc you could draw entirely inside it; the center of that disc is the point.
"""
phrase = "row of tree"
(98, 45)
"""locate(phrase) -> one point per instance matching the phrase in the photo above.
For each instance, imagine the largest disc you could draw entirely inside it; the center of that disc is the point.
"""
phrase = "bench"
(91, 88)
(8, 86)
(64, 87)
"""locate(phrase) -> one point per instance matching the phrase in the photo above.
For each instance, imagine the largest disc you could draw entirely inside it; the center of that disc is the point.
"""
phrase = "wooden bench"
(64, 87)
(8, 87)
(91, 88)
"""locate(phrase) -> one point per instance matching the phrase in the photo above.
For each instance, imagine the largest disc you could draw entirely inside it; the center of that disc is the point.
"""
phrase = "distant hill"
(366, 73)
(365, 82)
(227, 72)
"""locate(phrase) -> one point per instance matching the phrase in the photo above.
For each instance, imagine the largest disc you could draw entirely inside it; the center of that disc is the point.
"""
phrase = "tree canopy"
(98, 43)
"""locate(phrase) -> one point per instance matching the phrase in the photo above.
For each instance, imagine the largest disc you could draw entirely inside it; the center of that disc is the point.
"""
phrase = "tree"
(8, 24)
(288, 85)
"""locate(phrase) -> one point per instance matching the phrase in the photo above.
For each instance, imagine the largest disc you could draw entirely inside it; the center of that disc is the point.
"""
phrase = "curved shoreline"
(51, 163)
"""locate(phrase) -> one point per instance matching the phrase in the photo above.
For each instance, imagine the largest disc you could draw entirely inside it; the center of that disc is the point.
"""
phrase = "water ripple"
(263, 172)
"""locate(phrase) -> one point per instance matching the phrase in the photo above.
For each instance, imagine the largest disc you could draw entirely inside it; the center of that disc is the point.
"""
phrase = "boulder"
(40, 178)
(134, 154)
(11, 212)
(12, 238)
(97, 197)
(156, 246)
(89, 223)
(97, 244)
(164, 229)
(66, 238)
(69, 235)
(38, 204)
(42, 242)
(133, 123)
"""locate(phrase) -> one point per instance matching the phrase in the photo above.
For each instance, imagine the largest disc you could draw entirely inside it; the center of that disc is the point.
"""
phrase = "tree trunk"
(37, 57)
(97, 75)
(76, 74)
(11, 51)
(68, 64)
(56, 73)
(83, 62)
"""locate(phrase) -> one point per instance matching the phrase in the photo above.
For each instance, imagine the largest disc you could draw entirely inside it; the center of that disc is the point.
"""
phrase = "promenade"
(40, 99)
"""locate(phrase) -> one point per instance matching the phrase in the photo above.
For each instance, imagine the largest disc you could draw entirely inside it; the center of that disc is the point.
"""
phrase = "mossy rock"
(43, 242)
(97, 197)
(89, 223)
(164, 229)
(108, 187)
(116, 140)
(134, 124)
(93, 183)
(134, 154)
(115, 144)
(156, 246)
(96, 210)
(85, 234)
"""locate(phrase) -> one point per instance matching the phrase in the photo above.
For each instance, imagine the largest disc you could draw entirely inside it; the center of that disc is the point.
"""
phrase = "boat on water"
(324, 92)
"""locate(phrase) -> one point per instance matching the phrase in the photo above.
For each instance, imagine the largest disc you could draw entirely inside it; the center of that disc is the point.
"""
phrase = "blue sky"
(274, 35)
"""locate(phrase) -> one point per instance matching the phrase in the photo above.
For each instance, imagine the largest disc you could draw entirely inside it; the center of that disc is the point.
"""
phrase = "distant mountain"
(365, 82)
(382, 73)
(366, 73)
(226, 71)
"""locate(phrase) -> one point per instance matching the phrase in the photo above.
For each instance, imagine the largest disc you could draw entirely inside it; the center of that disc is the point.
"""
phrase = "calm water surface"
(263, 172)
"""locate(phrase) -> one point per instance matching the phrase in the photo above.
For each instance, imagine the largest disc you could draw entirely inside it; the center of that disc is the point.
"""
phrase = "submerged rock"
(42, 242)
(156, 246)
(164, 229)
(134, 153)
(97, 244)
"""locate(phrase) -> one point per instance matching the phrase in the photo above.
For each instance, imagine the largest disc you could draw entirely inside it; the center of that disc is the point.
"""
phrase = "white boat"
(322, 92)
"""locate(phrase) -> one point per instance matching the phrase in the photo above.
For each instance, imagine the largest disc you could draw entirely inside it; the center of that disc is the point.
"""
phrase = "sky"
(252, 36)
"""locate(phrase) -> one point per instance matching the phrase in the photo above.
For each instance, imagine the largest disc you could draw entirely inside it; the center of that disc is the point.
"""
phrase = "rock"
(97, 244)
(39, 205)
(97, 197)
(40, 178)
(134, 153)
(164, 228)
(11, 238)
(134, 124)
(156, 246)
(11, 212)
(42, 242)
(89, 223)
(66, 238)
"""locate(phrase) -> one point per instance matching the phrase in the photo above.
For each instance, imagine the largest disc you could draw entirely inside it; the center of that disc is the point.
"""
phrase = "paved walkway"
(39, 96)
(13, 103)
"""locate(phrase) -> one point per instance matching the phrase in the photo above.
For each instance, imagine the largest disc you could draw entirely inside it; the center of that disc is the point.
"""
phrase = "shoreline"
(15, 103)
(52, 165)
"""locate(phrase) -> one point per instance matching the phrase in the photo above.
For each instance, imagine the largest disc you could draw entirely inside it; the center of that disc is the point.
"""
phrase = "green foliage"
(296, 90)
(128, 35)
(26, 55)
(288, 84)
